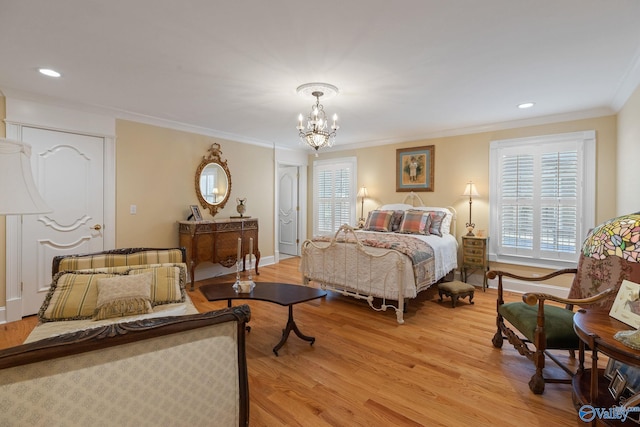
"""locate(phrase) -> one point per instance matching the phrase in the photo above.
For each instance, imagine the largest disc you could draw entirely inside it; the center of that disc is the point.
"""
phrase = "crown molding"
(493, 127)
(128, 115)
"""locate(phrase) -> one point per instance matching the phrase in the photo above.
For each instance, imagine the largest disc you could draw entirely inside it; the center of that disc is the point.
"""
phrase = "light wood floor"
(364, 369)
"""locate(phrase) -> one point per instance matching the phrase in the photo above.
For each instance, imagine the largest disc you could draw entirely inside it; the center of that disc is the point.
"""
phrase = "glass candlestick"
(243, 286)
(236, 285)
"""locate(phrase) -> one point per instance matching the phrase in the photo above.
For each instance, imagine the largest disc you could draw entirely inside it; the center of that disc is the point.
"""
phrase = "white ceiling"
(406, 69)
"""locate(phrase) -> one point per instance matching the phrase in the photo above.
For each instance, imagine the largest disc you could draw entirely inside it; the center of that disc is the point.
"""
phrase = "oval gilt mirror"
(213, 180)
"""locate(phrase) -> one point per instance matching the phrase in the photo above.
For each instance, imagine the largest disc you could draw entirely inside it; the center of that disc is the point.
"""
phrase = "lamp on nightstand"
(471, 191)
(363, 193)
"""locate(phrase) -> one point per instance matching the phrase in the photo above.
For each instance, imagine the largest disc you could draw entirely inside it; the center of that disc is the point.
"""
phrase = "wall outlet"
(133, 209)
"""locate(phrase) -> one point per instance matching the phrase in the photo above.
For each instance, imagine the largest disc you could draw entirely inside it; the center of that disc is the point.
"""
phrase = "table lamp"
(363, 193)
(471, 191)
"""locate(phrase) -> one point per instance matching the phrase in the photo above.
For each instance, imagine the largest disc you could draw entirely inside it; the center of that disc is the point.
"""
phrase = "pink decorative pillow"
(415, 222)
(378, 221)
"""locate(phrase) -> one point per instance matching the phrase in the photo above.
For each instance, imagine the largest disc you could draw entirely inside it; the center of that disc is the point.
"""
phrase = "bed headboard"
(410, 199)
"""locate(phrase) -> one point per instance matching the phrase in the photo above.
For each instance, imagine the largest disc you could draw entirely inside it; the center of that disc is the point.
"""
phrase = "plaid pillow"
(415, 222)
(378, 220)
(437, 217)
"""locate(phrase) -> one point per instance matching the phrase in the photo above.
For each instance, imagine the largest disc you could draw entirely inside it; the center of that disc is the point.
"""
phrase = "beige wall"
(459, 159)
(628, 155)
(155, 170)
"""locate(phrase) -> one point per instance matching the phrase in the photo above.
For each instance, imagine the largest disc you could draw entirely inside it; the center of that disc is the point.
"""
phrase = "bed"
(402, 250)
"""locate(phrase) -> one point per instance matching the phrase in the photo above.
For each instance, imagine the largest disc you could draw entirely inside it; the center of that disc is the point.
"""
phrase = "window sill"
(533, 262)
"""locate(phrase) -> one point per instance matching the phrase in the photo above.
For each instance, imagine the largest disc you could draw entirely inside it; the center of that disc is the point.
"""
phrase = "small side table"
(475, 256)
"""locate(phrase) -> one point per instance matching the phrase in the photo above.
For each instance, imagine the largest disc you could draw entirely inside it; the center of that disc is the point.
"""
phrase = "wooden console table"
(217, 241)
(596, 330)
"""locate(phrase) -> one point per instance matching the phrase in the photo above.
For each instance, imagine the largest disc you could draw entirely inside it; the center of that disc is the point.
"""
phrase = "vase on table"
(241, 208)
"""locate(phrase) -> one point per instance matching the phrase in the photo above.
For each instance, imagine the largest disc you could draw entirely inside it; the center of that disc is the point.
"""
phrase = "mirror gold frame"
(213, 163)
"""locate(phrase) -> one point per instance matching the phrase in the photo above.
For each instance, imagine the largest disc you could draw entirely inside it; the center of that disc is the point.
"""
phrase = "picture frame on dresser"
(415, 168)
(195, 213)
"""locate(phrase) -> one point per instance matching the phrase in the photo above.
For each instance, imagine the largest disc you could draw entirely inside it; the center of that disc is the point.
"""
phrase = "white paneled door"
(288, 210)
(69, 171)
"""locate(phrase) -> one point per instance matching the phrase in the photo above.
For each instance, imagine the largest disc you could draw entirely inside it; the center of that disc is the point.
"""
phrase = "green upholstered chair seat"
(558, 323)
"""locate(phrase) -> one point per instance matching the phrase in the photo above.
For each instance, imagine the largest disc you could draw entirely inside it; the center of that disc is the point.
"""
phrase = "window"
(542, 198)
(334, 194)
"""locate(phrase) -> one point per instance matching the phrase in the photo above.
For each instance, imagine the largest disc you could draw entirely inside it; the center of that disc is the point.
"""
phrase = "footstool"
(455, 290)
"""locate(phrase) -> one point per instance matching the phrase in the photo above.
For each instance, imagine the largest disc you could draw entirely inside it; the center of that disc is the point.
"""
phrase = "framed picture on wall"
(414, 168)
(195, 213)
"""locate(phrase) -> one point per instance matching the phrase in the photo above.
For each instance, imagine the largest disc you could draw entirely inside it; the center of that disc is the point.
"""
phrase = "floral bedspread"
(420, 253)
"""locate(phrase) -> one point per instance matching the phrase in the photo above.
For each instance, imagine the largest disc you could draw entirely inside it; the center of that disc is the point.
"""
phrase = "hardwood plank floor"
(365, 369)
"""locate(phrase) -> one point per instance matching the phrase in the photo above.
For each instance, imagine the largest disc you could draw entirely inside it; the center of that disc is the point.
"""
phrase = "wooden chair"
(610, 254)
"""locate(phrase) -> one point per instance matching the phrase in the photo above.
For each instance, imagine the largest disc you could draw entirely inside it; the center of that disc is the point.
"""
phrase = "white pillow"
(446, 222)
(395, 207)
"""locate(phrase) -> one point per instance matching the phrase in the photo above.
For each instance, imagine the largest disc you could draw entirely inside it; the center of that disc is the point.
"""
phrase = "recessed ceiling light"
(526, 105)
(49, 72)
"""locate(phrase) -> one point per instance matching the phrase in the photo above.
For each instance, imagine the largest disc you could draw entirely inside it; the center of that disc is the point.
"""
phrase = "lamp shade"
(470, 190)
(363, 192)
(18, 192)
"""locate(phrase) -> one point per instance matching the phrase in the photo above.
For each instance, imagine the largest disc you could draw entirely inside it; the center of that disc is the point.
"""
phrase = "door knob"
(96, 227)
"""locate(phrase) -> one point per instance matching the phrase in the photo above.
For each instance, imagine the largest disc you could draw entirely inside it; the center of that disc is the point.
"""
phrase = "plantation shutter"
(538, 196)
(334, 194)
(558, 198)
(517, 202)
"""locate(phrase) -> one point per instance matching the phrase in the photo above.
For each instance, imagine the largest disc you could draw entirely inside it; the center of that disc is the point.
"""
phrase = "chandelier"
(317, 133)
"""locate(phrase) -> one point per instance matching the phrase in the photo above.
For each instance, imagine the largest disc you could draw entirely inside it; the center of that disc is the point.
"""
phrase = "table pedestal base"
(291, 326)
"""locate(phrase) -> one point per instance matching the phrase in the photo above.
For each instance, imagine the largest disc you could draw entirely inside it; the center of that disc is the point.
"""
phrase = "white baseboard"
(518, 286)
(3, 315)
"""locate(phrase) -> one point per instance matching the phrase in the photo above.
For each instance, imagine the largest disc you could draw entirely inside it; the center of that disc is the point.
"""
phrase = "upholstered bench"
(455, 290)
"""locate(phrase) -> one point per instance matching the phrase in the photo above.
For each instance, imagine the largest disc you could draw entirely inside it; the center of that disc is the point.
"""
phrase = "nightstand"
(475, 256)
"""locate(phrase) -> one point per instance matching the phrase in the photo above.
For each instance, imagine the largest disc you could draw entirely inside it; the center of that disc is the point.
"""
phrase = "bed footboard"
(346, 266)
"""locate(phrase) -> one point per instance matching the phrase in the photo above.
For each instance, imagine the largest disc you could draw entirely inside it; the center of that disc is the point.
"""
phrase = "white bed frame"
(350, 272)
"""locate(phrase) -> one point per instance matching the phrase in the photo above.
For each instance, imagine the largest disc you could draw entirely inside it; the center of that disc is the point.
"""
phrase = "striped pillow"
(73, 294)
(378, 221)
(415, 222)
(153, 256)
(167, 283)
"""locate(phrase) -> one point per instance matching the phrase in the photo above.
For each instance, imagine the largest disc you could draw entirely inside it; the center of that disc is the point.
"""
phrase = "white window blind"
(542, 197)
(334, 195)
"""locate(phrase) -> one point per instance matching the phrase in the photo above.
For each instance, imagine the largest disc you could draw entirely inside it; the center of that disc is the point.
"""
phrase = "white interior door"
(288, 210)
(68, 170)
